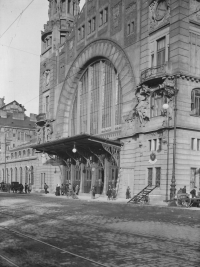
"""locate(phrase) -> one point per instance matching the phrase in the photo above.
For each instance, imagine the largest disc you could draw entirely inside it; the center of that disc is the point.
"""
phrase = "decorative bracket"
(100, 158)
(114, 151)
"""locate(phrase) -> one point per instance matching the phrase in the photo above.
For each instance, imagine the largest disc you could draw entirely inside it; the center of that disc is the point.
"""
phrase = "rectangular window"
(152, 60)
(158, 176)
(154, 144)
(79, 34)
(198, 144)
(83, 32)
(89, 26)
(192, 177)
(47, 104)
(149, 145)
(161, 52)
(192, 143)
(150, 176)
(128, 28)
(159, 146)
(101, 18)
(105, 17)
(93, 24)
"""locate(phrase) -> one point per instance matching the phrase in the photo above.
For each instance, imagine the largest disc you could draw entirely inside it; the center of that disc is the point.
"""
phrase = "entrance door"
(87, 179)
(99, 180)
(77, 179)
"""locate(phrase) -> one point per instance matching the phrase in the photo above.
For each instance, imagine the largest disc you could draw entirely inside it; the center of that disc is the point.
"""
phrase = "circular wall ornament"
(153, 158)
(161, 10)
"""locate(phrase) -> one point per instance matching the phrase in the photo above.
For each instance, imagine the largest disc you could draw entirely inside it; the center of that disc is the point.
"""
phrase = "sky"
(20, 49)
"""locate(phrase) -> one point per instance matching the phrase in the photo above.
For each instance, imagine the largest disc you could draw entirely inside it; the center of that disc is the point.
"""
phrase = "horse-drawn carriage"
(3, 187)
(183, 199)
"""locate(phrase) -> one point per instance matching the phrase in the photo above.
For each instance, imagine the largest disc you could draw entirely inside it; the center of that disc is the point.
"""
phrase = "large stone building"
(17, 132)
(106, 72)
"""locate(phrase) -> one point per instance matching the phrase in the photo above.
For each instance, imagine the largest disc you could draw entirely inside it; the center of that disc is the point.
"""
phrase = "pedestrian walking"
(93, 192)
(58, 190)
(45, 188)
(29, 188)
(128, 193)
(62, 189)
(193, 192)
(113, 193)
(21, 188)
(8, 187)
(109, 192)
(77, 189)
(67, 190)
(26, 188)
(70, 190)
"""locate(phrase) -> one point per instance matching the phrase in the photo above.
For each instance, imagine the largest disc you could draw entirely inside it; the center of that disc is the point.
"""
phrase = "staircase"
(142, 195)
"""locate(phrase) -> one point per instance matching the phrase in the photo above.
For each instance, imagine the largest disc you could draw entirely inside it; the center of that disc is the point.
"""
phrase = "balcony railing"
(157, 71)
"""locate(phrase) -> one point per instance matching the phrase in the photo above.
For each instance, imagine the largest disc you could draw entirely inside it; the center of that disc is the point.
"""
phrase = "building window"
(11, 155)
(161, 51)
(24, 153)
(198, 144)
(150, 176)
(157, 101)
(158, 176)
(192, 143)
(155, 144)
(47, 104)
(20, 154)
(89, 26)
(28, 153)
(192, 177)
(103, 16)
(62, 39)
(15, 154)
(195, 102)
(98, 103)
(130, 27)
(81, 33)
(93, 24)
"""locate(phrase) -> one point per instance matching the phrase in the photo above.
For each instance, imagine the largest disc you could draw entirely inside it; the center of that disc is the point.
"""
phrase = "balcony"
(156, 72)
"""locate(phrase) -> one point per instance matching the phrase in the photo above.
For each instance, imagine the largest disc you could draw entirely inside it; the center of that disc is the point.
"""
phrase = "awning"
(84, 143)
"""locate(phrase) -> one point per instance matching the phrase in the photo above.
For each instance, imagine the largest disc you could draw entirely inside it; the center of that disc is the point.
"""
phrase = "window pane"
(150, 176)
(158, 176)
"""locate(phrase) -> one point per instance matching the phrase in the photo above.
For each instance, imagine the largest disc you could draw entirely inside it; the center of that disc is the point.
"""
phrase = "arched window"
(15, 174)
(31, 180)
(11, 155)
(26, 175)
(24, 153)
(195, 102)
(33, 152)
(20, 175)
(157, 101)
(97, 105)
(11, 175)
(15, 154)
(28, 153)
(20, 154)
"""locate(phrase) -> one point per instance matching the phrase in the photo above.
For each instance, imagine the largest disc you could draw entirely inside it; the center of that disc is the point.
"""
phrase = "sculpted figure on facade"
(159, 13)
(40, 133)
(48, 128)
(141, 109)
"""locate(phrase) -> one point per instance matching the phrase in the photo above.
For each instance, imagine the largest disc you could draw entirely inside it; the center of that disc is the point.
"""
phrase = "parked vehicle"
(15, 186)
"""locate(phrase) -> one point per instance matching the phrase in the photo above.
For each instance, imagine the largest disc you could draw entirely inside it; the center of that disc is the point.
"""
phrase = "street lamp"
(166, 113)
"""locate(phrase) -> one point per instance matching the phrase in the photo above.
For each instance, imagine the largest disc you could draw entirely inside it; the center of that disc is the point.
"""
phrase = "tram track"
(9, 261)
(160, 239)
(54, 247)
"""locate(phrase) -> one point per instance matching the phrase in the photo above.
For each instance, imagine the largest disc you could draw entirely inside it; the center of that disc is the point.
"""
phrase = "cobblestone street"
(43, 231)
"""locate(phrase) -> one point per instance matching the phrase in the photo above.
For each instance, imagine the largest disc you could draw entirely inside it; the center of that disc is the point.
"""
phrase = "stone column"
(78, 108)
(106, 173)
(82, 178)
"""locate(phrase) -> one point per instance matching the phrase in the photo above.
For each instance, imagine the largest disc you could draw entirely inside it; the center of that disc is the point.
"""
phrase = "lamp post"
(165, 107)
(173, 181)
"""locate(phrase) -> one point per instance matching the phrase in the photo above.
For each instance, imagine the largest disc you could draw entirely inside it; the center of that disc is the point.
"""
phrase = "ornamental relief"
(195, 10)
(116, 18)
(159, 14)
(141, 110)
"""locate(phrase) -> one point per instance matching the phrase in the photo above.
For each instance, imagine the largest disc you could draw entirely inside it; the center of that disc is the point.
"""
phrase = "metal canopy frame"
(86, 145)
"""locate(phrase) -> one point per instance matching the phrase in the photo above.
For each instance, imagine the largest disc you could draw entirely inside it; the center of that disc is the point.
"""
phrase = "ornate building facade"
(119, 94)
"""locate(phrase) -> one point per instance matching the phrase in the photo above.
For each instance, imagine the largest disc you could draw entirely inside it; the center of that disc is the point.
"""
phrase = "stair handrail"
(138, 193)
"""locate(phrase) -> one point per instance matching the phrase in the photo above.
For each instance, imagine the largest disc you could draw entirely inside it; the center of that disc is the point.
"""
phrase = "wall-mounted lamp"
(74, 149)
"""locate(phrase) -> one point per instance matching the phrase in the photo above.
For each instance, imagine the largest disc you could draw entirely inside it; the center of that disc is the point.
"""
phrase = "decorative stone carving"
(116, 18)
(40, 134)
(141, 109)
(48, 130)
(46, 76)
(131, 19)
(159, 13)
(195, 10)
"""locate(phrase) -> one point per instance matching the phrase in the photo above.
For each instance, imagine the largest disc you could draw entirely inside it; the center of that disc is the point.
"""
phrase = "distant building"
(17, 130)
(105, 73)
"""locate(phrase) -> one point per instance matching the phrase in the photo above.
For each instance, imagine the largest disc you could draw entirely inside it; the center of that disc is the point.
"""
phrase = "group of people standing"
(27, 188)
(67, 189)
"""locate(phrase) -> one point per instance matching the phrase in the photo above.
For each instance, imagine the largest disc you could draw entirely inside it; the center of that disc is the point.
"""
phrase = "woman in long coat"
(109, 192)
